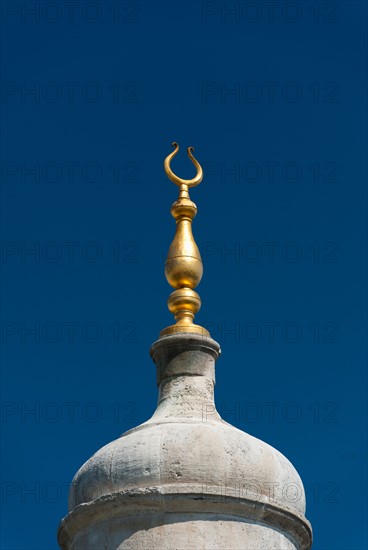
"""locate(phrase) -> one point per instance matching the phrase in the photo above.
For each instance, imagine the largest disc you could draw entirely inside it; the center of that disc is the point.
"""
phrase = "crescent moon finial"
(180, 181)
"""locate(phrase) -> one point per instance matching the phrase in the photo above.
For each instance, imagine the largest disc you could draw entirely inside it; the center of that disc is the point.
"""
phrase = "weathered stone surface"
(185, 478)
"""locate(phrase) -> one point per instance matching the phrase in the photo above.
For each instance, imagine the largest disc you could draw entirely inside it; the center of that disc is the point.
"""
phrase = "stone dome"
(203, 457)
(187, 458)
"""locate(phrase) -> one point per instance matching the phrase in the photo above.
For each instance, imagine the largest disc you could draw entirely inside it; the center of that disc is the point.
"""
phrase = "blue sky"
(273, 100)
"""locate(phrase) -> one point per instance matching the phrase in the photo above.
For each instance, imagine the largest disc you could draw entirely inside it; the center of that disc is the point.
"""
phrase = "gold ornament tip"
(173, 177)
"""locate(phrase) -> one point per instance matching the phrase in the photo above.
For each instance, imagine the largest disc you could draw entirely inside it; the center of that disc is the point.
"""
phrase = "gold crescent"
(175, 179)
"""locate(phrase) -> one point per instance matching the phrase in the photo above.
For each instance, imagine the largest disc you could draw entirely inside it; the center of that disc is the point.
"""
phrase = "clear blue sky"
(273, 100)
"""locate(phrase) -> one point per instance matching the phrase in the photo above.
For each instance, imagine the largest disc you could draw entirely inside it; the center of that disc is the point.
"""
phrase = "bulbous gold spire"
(183, 267)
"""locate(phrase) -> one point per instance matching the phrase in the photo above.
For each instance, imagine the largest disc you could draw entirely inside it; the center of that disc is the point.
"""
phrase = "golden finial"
(183, 267)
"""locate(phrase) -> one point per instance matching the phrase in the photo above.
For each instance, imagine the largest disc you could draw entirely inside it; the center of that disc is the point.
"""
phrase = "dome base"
(166, 520)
